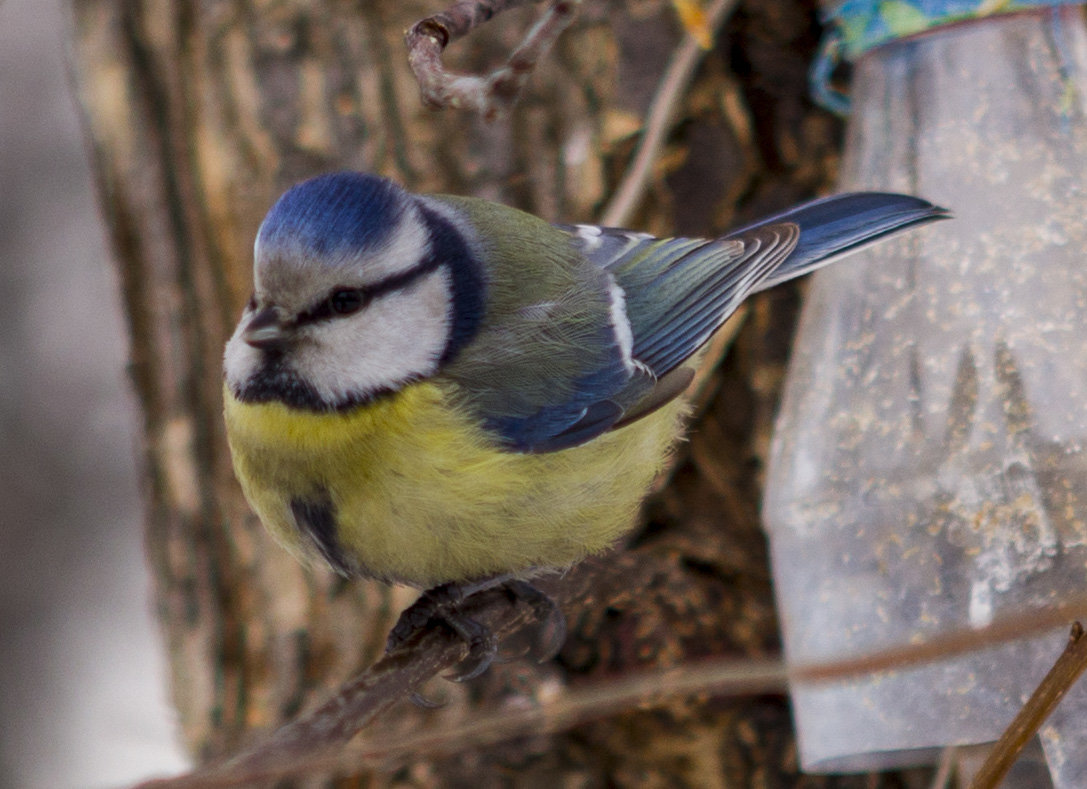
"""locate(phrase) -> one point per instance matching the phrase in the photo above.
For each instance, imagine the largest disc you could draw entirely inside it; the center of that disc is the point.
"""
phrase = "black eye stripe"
(324, 310)
(403, 279)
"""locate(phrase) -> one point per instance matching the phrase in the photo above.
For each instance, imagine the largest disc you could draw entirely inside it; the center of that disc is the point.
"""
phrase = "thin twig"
(661, 115)
(496, 93)
(1010, 627)
(646, 689)
(1068, 668)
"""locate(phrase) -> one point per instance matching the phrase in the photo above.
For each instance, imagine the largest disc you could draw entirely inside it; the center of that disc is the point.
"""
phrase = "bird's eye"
(345, 302)
(252, 303)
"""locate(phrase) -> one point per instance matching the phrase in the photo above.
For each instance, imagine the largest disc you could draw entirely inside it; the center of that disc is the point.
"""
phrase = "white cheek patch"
(397, 338)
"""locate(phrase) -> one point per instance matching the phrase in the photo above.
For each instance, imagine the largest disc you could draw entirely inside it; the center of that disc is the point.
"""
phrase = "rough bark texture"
(200, 112)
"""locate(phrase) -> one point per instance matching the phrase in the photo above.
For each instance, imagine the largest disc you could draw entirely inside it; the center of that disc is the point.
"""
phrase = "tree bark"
(200, 112)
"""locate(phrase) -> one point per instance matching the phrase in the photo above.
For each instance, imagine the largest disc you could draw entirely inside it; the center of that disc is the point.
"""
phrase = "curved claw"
(482, 646)
(419, 700)
(550, 633)
(480, 656)
(441, 605)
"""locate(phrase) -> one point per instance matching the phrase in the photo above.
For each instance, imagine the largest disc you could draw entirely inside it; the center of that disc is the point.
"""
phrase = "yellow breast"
(421, 495)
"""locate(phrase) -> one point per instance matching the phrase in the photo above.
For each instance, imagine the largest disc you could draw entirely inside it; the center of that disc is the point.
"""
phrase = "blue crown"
(333, 213)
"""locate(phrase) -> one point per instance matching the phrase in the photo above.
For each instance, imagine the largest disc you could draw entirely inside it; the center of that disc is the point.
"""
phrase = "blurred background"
(82, 691)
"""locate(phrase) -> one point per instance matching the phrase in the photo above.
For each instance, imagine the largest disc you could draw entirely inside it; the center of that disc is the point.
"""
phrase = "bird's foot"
(443, 604)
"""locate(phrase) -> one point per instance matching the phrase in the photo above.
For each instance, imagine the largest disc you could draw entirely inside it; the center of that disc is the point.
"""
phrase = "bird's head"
(359, 289)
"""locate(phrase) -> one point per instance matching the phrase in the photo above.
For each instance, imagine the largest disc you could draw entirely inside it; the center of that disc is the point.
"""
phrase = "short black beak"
(265, 331)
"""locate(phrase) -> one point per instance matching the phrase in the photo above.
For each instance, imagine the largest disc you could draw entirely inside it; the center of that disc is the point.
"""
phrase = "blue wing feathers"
(677, 293)
(589, 405)
(693, 291)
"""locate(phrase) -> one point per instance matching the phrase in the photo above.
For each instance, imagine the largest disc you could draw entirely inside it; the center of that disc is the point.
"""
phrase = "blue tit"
(437, 390)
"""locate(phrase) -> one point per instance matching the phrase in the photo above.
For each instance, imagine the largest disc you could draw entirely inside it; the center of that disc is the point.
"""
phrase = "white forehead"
(291, 274)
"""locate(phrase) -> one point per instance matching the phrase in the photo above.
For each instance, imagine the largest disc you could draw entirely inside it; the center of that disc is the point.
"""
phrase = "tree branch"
(496, 93)
(314, 739)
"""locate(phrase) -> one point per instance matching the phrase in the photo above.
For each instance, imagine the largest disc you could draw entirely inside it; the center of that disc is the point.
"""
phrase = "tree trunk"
(199, 113)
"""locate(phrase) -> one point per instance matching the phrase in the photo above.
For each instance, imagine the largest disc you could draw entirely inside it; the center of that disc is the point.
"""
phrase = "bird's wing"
(550, 366)
(674, 293)
(586, 338)
(678, 291)
(553, 375)
(593, 334)
(564, 369)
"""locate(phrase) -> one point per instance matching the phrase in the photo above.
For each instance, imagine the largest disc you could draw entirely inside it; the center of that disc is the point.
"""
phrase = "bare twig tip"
(429, 28)
(492, 95)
